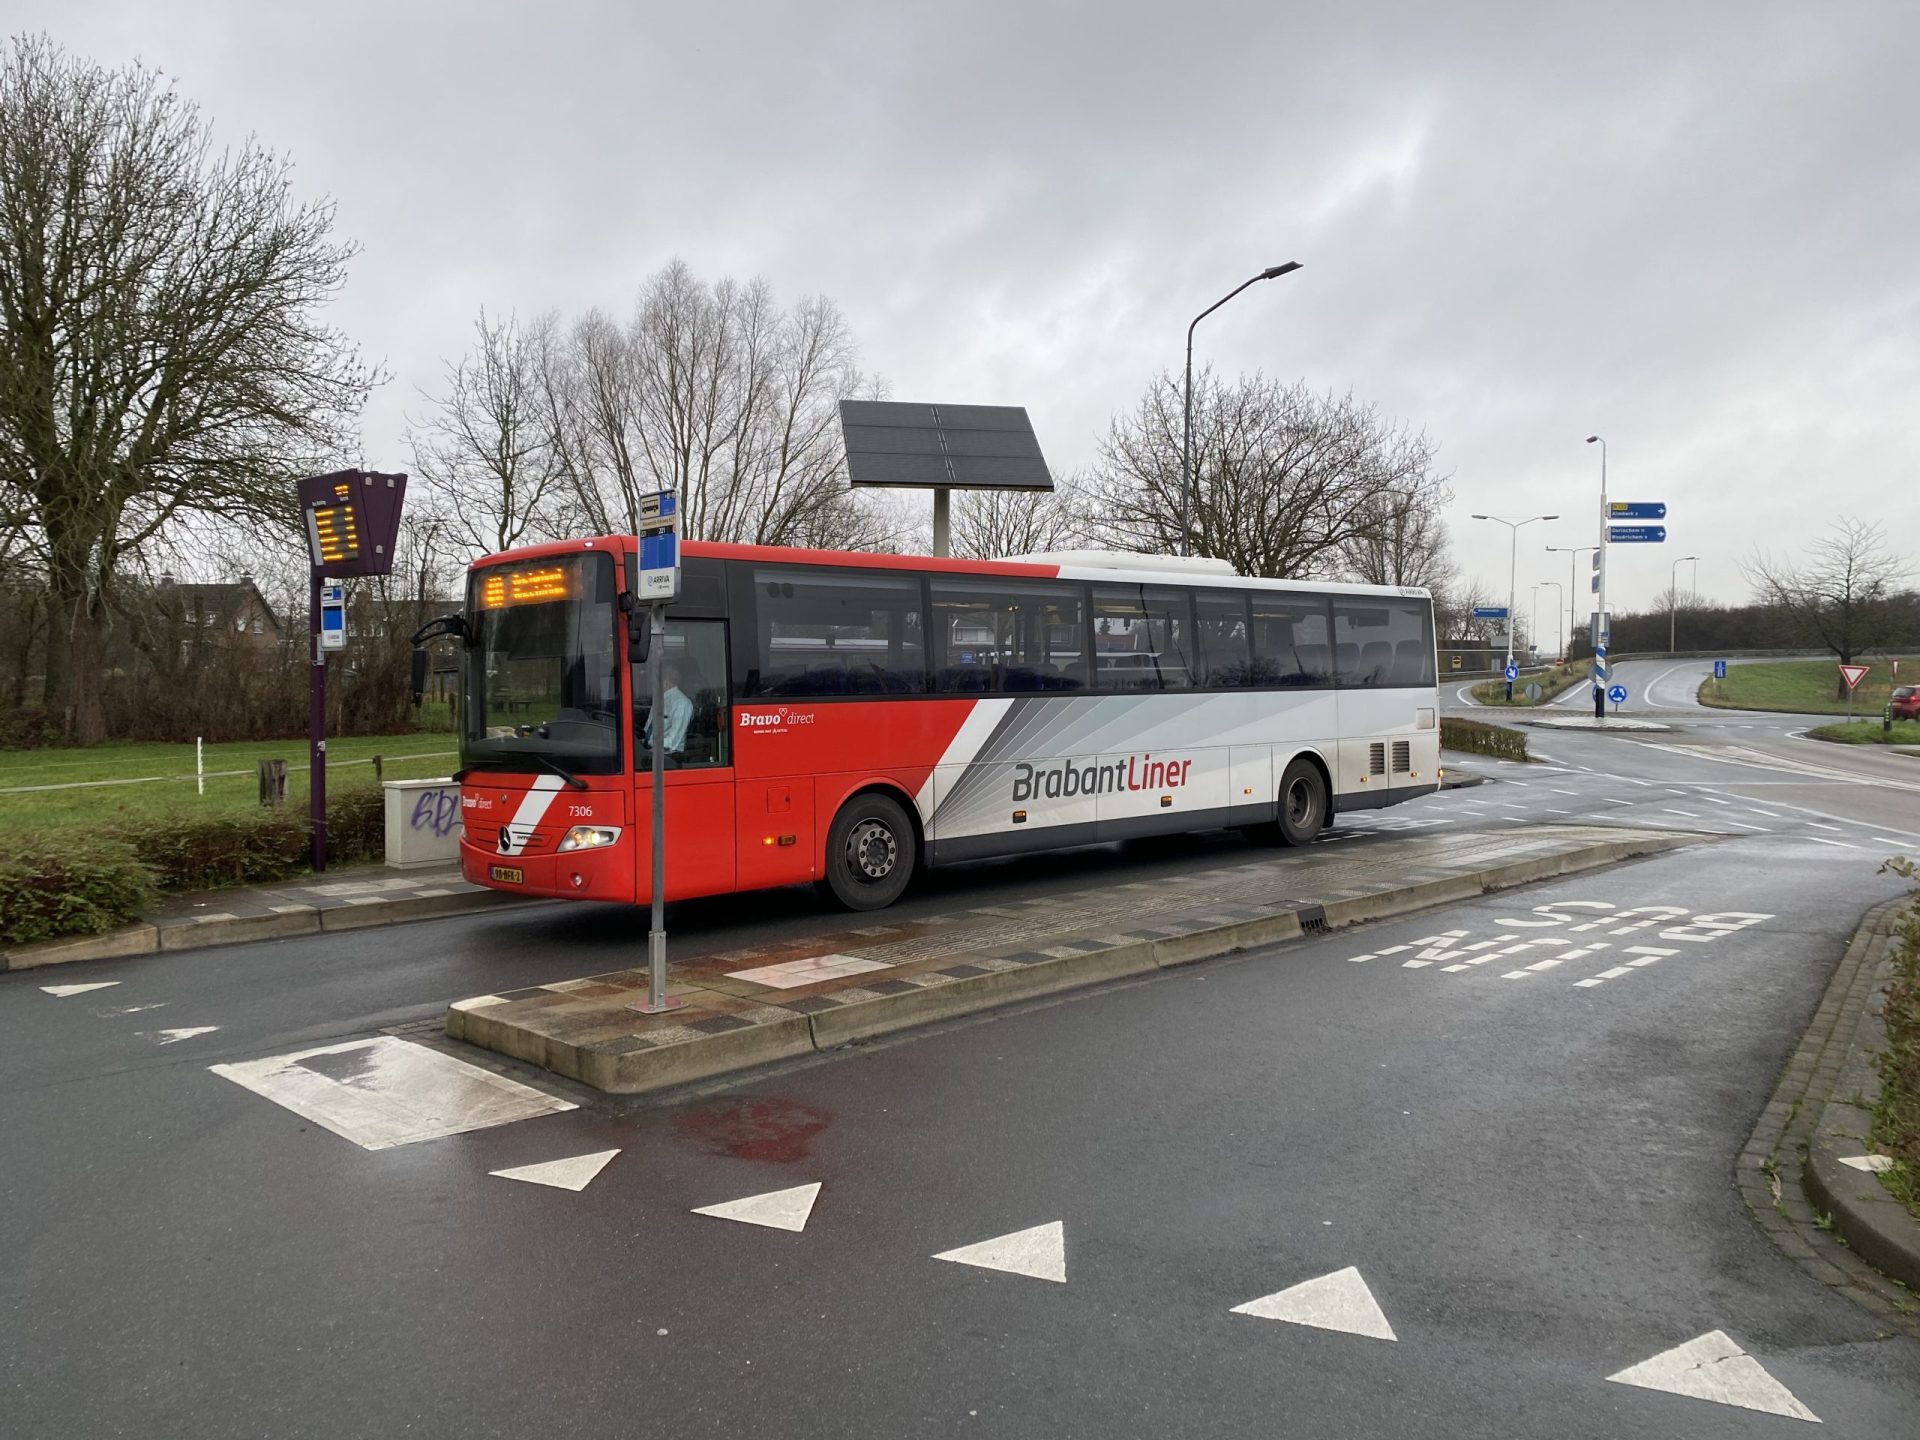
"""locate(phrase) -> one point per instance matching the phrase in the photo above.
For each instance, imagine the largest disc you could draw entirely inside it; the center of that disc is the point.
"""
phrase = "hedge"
(1480, 738)
(69, 885)
(78, 884)
(1896, 1118)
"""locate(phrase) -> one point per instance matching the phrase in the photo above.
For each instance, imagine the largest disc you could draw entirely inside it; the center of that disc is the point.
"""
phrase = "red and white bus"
(849, 718)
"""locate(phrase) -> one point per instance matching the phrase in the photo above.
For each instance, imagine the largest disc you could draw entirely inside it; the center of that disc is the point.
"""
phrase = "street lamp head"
(1549, 517)
(1592, 438)
(1274, 272)
(1482, 517)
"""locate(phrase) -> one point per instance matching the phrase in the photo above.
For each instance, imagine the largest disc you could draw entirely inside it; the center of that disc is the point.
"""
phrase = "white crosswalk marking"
(1039, 1253)
(1340, 1301)
(777, 1209)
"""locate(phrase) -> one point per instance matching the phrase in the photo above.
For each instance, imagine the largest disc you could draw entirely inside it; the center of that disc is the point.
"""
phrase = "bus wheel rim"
(872, 851)
(1299, 802)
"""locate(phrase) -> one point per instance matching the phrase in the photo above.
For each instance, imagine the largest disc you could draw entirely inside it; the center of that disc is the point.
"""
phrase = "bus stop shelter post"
(942, 521)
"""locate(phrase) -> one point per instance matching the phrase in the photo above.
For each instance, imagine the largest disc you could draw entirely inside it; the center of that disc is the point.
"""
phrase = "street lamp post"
(1603, 624)
(1272, 272)
(1513, 566)
(1673, 596)
(1573, 554)
(1560, 644)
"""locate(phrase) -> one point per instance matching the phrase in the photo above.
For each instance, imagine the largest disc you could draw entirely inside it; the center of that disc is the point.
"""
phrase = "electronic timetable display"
(352, 518)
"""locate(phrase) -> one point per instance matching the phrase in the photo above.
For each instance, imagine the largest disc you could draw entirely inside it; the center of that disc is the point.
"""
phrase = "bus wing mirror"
(455, 625)
(419, 676)
(639, 632)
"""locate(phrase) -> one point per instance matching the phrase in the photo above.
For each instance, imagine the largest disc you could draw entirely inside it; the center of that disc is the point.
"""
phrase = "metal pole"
(1186, 454)
(1513, 565)
(657, 936)
(316, 730)
(942, 520)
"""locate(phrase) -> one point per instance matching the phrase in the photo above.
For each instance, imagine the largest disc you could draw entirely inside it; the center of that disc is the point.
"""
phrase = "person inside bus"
(678, 709)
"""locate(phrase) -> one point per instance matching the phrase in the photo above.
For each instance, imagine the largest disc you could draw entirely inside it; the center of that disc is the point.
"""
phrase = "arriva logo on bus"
(1136, 772)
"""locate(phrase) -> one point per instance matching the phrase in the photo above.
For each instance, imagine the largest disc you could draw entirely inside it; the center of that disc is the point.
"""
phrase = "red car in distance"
(1904, 703)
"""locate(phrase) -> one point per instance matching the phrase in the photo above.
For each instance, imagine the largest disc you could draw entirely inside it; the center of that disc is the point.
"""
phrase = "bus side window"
(1225, 659)
(1292, 642)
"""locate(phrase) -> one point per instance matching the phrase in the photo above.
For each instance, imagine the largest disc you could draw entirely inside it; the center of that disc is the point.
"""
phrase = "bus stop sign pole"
(658, 584)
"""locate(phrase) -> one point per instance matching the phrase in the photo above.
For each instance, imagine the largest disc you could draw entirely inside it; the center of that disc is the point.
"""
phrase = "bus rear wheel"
(1303, 803)
(871, 853)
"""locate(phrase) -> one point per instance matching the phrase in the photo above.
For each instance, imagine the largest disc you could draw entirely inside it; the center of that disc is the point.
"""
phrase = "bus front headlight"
(589, 837)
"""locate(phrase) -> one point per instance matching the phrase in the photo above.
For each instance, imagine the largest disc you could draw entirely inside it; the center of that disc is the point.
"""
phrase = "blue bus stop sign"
(1719, 669)
(1618, 694)
(1513, 672)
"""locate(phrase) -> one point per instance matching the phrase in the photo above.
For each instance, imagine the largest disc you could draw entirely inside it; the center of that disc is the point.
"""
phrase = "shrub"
(28, 728)
(1896, 1118)
(357, 824)
(68, 885)
(1481, 738)
(256, 847)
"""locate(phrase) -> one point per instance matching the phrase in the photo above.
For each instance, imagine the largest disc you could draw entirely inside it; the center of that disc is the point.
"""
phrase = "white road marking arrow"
(777, 1209)
(62, 991)
(1712, 1367)
(574, 1173)
(1874, 1163)
(1040, 1253)
(1340, 1301)
(185, 1032)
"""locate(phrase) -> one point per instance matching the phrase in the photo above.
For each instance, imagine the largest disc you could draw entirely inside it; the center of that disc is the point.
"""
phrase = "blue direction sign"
(1719, 669)
(1618, 694)
(1637, 534)
(1513, 672)
(1637, 510)
(1489, 612)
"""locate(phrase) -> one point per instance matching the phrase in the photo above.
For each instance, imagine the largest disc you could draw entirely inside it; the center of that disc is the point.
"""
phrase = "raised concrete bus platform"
(746, 1007)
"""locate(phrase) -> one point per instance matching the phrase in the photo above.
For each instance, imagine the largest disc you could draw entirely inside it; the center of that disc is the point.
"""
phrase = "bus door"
(699, 762)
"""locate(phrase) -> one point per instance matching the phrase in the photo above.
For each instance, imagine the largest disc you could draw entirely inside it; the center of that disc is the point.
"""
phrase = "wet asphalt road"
(1532, 1176)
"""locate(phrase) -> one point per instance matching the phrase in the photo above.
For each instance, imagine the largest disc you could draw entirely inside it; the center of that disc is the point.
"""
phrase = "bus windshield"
(543, 670)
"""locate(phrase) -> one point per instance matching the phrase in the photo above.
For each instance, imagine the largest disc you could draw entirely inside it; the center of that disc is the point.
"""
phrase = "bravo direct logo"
(780, 718)
(1065, 780)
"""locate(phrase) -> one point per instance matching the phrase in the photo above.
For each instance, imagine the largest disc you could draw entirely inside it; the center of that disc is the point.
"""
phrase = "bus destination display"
(526, 585)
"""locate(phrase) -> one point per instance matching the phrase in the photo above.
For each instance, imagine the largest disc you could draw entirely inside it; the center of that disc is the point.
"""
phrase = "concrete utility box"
(423, 823)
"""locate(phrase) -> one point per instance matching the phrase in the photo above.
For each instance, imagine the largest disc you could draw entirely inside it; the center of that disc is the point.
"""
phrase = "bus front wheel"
(1303, 803)
(871, 853)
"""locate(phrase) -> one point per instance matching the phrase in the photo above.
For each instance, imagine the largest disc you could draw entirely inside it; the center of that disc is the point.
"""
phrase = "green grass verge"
(1554, 681)
(1869, 732)
(418, 756)
(1806, 687)
(1477, 737)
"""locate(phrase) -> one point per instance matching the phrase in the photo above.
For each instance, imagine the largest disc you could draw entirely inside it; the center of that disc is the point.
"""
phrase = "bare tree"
(487, 448)
(992, 523)
(160, 349)
(1285, 480)
(1401, 540)
(1841, 597)
(716, 393)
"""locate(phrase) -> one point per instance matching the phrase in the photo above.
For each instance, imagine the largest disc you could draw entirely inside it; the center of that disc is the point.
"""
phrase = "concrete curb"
(1803, 1130)
(149, 938)
(1878, 1227)
(613, 1060)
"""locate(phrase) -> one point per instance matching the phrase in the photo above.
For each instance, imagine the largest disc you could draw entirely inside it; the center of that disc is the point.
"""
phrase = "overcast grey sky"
(1691, 227)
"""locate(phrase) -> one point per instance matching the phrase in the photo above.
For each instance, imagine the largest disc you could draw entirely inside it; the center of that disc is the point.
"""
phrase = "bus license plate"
(508, 874)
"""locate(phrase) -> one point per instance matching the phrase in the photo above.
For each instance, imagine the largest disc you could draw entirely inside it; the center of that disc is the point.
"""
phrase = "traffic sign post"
(351, 519)
(1512, 672)
(1637, 534)
(1618, 695)
(1719, 669)
(1853, 675)
(1637, 510)
(656, 585)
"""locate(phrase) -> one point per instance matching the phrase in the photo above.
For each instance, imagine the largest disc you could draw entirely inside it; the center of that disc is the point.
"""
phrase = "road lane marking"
(1821, 840)
(776, 1209)
(61, 992)
(384, 1092)
(574, 1173)
(1340, 1301)
(1612, 801)
(174, 1037)
(1669, 810)
(1819, 826)
(1765, 814)
(1040, 1252)
(1712, 1367)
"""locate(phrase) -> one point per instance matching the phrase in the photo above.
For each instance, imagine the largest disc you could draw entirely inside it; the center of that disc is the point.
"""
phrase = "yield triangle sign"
(576, 1172)
(777, 1209)
(1340, 1301)
(1712, 1367)
(1853, 674)
(1040, 1253)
